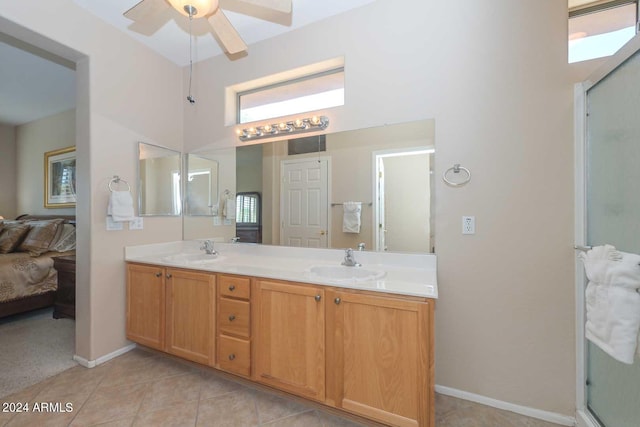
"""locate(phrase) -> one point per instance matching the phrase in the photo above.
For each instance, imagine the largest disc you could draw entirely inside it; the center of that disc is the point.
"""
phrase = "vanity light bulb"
(315, 120)
(298, 123)
(267, 128)
(282, 126)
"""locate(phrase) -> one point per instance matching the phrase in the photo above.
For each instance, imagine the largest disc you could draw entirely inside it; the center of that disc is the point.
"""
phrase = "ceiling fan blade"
(145, 9)
(283, 6)
(227, 35)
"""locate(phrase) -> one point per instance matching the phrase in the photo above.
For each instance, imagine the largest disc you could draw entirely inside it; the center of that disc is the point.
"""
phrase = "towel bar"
(337, 204)
(582, 248)
(117, 180)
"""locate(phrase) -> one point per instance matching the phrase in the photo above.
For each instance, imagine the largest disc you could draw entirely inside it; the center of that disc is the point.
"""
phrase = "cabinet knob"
(232, 288)
(318, 298)
(337, 301)
(232, 356)
(168, 276)
(232, 318)
(158, 274)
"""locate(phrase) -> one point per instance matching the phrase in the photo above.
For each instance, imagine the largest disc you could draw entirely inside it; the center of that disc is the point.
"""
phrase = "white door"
(304, 203)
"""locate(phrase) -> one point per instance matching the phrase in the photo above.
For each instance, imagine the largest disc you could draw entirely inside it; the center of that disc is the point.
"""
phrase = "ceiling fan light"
(202, 7)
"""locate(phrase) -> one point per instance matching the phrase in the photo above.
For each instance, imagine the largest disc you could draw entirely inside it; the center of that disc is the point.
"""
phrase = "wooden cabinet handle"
(158, 274)
(232, 288)
(337, 301)
(317, 298)
(168, 276)
(232, 318)
(232, 356)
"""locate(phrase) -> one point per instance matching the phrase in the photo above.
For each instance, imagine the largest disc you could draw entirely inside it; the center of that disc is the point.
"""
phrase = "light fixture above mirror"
(293, 127)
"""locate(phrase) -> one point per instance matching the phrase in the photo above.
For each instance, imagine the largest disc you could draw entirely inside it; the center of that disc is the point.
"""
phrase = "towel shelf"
(340, 204)
(117, 180)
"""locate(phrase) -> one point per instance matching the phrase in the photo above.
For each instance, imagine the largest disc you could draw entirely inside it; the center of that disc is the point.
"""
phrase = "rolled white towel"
(121, 206)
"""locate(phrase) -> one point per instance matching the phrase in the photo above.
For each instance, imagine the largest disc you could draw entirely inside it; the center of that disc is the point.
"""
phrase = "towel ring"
(117, 180)
(456, 169)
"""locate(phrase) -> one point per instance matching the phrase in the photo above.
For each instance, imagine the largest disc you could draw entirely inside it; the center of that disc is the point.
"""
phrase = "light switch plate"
(136, 224)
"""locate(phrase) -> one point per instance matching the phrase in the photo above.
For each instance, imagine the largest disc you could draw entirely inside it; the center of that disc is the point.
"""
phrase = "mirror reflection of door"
(304, 209)
(403, 196)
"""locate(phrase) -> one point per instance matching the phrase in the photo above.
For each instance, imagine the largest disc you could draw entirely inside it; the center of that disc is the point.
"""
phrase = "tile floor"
(141, 388)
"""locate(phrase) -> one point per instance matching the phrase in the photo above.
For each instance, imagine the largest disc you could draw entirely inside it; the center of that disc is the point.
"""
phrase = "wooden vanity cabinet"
(146, 296)
(290, 337)
(234, 324)
(381, 357)
(190, 330)
(172, 310)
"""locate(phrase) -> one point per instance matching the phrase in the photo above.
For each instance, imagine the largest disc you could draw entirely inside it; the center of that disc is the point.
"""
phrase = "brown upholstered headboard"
(69, 219)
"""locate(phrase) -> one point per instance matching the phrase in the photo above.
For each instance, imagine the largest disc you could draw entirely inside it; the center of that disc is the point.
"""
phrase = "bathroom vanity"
(295, 320)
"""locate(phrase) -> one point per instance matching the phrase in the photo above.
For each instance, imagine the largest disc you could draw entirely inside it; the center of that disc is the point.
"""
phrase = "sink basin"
(341, 273)
(193, 259)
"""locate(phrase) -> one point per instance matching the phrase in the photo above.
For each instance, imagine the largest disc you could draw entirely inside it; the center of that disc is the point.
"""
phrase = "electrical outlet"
(468, 225)
(136, 224)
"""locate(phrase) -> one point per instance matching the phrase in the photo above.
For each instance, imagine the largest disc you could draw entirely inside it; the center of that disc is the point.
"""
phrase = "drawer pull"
(318, 298)
(168, 276)
(337, 301)
(232, 288)
(158, 274)
(232, 318)
(232, 356)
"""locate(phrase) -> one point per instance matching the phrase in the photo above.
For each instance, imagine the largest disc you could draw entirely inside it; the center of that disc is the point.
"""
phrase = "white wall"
(33, 139)
(126, 93)
(494, 75)
(8, 199)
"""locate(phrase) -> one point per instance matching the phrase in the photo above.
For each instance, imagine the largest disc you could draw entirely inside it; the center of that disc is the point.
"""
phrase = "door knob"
(322, 232)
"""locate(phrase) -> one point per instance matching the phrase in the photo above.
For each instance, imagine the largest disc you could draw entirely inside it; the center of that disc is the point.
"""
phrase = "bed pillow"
(40, 236)
(12, 235)
(66, 241)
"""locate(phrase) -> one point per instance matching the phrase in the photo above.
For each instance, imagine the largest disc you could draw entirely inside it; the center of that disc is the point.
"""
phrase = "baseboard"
(551, 417)
(100, 360)
(584, 419)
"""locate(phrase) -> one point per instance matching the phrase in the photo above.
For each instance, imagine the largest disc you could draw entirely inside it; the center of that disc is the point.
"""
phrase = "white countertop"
(405, 274)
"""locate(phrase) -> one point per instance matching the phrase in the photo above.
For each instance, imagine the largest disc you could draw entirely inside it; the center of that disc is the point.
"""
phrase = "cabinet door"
(146, 305)
(381, 365)
(191, 315)
(290, 347)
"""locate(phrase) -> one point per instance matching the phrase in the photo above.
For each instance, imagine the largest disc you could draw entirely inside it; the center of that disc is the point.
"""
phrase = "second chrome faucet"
(350, 259)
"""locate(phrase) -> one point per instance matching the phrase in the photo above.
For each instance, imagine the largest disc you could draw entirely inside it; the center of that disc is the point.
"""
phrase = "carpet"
(34, 346)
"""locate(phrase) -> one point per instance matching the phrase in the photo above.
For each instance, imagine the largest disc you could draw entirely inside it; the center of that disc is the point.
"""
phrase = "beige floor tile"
(38, 416)
(125, 422)
(306, 419)
(271, 407)
(180, 415)
(171, 391)
(214, 385)
(111, 403)
(229, 410)
(330, 420)
(136, 370)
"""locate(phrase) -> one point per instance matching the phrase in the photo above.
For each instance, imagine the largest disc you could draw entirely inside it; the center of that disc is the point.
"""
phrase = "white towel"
(351, 217)
(613, 301)
(121, 206)
(229, 208)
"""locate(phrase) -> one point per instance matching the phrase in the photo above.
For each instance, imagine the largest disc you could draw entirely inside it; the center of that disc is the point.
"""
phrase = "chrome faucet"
(361, 246)
(207, 246)
(349, 259)
(234, 239)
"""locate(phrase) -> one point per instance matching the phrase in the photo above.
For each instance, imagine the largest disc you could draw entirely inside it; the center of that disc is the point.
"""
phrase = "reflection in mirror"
(158, 181)
(305, 188)
(201, 193)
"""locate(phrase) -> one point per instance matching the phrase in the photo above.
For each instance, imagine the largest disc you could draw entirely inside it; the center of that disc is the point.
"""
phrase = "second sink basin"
(341, 273)
(198, 258)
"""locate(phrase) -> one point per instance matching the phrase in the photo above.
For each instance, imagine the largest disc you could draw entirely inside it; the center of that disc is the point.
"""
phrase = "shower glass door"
(613, 217)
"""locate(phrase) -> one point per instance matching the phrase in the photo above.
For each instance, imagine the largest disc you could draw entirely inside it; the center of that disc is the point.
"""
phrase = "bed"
(28, 280)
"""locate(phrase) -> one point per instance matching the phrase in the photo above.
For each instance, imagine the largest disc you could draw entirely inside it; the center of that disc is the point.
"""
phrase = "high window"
(599, 28)
(299, 95)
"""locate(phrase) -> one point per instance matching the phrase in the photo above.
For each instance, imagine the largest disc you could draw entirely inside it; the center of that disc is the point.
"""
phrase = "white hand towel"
(351, 217)
(121, 206)
(230, 208)
(613, 301)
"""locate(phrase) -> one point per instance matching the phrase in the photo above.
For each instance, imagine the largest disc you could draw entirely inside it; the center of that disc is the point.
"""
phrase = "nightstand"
(65, 301)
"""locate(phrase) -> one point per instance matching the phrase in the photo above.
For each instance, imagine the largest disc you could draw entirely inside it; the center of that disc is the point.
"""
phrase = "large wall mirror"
(158, 181)
(370, 187)
(201, 186)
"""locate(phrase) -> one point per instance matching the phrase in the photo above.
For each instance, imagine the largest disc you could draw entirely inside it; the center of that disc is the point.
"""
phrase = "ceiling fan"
(209, 9)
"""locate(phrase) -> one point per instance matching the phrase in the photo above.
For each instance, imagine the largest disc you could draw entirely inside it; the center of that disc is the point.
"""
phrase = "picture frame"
(60, 178)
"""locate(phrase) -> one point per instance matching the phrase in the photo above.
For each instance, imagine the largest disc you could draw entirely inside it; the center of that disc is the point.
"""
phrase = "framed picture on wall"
(60, 178)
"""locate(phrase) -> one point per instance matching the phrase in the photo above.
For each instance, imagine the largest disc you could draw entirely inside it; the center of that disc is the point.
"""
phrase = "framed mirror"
(201, 186)
(159, 188)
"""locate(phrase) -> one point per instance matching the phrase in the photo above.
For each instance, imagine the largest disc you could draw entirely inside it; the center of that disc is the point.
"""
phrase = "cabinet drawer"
(234, 317)
(235, 287)
(234, 355)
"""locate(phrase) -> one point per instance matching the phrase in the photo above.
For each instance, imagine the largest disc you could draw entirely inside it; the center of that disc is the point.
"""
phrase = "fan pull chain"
(190, 98)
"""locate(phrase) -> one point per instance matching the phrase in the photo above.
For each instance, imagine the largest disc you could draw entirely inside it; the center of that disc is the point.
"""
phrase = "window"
(248, 208)
(598, 29)
(300, 95)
